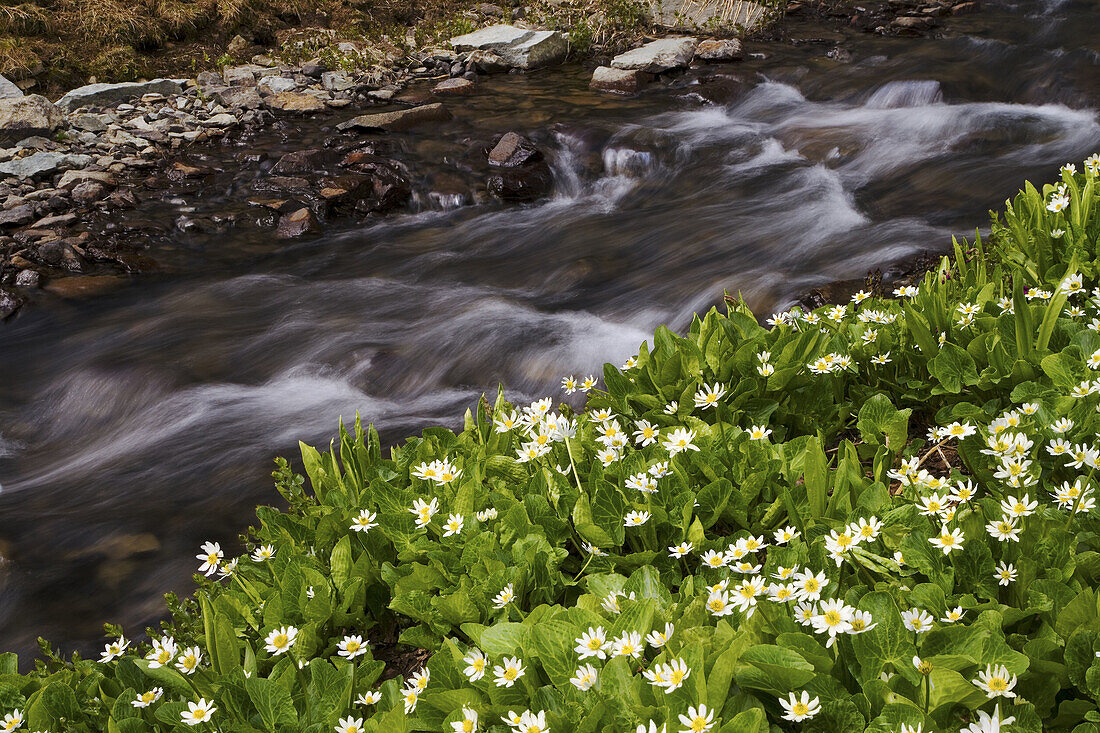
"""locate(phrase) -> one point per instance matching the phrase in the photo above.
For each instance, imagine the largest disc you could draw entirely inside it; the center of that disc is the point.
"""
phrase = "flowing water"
(136, 424)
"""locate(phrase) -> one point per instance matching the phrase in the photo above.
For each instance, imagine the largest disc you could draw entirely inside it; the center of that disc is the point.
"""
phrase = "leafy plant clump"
(875, 516)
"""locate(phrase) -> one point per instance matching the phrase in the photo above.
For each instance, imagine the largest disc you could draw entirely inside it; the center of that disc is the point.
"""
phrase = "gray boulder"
(658, 56)
(239, 97)
(26, 116)
(519, 47)
(618, 81)
(724, 50)
(8, 89)
(41, 164)
(398, 120)
(108, 94)
(276, 85)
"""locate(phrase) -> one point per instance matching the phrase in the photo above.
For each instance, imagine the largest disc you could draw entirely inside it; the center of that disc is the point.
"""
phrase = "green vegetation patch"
(875, 516)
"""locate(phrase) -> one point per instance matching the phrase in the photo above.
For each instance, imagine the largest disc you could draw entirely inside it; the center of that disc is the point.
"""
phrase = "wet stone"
(296, 223)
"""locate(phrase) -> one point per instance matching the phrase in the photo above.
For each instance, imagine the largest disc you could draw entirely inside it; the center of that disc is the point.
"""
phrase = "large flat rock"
(398, 120)
(698, 15)
(106, 94)
(41, 164)
(520, 48)
(658, 56)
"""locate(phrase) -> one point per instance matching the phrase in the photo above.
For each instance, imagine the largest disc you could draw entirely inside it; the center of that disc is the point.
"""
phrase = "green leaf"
(954, 368)
(773, 669)
(272, 702)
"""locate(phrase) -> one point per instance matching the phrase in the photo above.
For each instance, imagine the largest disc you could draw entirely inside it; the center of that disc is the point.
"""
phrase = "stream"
(140, 422)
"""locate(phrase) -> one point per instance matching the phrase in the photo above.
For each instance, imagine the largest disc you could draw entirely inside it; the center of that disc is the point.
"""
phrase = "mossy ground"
(62, 43)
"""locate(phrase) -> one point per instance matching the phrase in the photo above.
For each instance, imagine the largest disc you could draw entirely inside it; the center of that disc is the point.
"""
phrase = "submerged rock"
(26, 116)
(518, 47)
(658, 56)
(107, 94)
(398, 120)
(524, 176)
(296, 223)
(454, 87)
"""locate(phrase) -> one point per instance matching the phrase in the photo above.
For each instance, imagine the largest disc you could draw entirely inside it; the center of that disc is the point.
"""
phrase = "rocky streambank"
(70, 168)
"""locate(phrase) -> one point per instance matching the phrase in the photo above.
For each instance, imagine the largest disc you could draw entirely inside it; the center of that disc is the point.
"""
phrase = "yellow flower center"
(510, 673)
(280, 640)
(832, 618)
(800, 709)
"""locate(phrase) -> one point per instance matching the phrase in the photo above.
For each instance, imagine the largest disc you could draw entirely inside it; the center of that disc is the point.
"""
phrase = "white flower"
(646, 433)
(592, 643)
(800, 708)
(1058, 202)
(569, 384)
(263, 554)
(211, 557)
(660, 469)
(198, 712)
(369, 698)
(351, 647)
(680, 550)
(628, 644)
(350, 725)
(424, 510)
(996, 682)
(785, 535)
(113, 649)
(658, 639)
(12, 721)
(718, 604)
(707, 396)
(808, 586)
(651, 729)
(510, 670)
(833, 617)
(671, 676)
(410, 696)
(189, 660)
(866, 529)
(486, 514)
(363, 521)
(584, 677)
(697, 720)
(162, 653)
(146, 699)
(987, 723)
(502, 599)
(453, 525)
(588, 384)
(954, 615)
(714, 559)
(861, 621)
(1004, 529)
(1005, 573)
(419, 680)
(643, 482)
(680, 440)
(476, 662)
(280, 640)
(507, 421)
(917, 620)
(948, 540)
(1021, 507)
(636, 519)
(759, 432)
